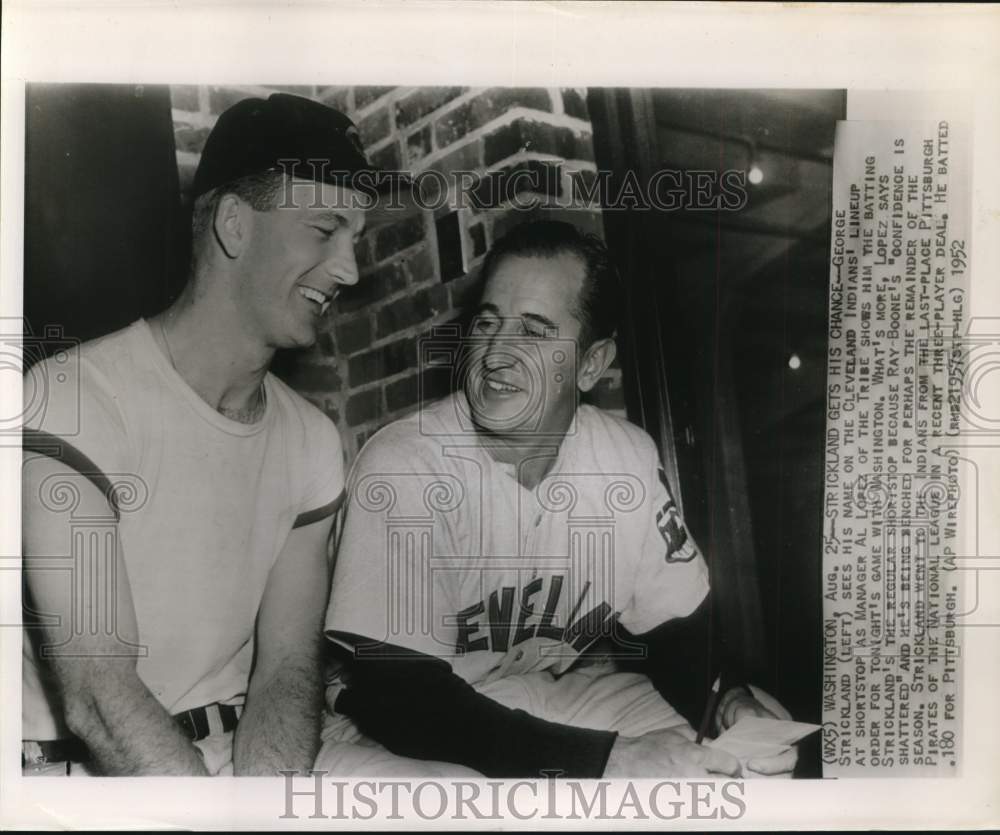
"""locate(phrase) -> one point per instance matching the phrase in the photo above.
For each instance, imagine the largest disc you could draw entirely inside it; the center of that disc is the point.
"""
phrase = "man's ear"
(231, 224)
(595, 362)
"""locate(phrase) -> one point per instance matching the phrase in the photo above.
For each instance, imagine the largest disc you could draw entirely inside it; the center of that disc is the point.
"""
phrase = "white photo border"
(951, 49)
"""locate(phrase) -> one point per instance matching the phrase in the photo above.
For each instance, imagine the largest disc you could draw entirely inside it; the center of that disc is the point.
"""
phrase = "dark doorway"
(103, 227)
(724, 359)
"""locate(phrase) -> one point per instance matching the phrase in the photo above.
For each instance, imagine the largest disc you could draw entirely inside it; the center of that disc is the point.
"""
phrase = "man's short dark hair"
(597, 305)
(260, 191)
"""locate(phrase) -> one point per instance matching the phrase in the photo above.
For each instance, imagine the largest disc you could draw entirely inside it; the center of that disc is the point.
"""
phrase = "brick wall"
(419, 273)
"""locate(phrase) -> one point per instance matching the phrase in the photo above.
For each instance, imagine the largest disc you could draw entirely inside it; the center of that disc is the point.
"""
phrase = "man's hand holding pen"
(670, 753)
(738, 702)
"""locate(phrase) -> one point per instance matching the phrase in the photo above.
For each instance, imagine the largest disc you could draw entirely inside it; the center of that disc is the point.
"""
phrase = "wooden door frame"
(714, 475)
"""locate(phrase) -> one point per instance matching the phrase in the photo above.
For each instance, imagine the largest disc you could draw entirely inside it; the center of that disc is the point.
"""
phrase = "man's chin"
(304, 338)
(499, 422)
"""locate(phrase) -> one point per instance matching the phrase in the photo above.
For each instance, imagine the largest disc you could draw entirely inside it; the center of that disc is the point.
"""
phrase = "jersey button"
(520, 655)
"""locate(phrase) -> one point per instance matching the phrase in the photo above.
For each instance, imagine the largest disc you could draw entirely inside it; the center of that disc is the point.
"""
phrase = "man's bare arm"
(279, 728)
(126, 729)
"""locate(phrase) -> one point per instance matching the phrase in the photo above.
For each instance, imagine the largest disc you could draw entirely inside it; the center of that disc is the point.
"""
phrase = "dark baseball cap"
(301, 137)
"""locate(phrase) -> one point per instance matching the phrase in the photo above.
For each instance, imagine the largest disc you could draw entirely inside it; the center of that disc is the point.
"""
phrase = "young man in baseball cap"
(186, 639)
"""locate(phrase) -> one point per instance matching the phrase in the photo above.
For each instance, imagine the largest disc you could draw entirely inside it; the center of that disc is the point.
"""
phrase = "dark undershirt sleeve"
(683, 657)
(417, 707)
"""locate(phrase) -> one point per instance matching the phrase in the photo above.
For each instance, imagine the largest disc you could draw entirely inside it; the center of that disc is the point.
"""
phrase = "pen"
(713, 700)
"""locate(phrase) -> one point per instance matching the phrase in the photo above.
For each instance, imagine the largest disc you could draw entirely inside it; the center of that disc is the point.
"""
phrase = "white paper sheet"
(753, 737)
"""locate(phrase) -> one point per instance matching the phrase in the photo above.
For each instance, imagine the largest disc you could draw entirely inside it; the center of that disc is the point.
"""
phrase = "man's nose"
(501, 347)
(342, 265)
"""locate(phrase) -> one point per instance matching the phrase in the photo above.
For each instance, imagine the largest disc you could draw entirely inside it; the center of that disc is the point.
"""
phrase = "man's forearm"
(419, 708)
(279, 729)
(127, 731)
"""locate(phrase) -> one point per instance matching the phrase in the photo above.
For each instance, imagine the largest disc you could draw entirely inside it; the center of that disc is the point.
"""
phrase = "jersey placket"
(532, 518)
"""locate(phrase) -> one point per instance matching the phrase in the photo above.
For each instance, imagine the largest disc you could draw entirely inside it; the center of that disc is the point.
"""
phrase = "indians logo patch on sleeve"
(680, 547)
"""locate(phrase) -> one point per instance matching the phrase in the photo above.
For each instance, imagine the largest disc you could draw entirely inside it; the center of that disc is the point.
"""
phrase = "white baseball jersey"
(444, 552)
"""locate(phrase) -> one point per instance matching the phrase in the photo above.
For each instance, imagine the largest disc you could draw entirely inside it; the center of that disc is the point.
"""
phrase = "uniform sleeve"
(671, 577)
(323, 457)
(72, 414)
(416, 707)
(383, 588)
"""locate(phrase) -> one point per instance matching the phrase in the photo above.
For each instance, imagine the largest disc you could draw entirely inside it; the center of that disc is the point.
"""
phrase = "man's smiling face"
(297, 256)
(521, 368)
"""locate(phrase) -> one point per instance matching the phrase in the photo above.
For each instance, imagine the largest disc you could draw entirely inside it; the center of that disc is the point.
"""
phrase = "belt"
(197, 723)
(200, 722)
(70, 750)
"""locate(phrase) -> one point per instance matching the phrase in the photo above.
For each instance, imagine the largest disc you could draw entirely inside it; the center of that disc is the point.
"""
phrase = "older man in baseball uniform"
(498, 542)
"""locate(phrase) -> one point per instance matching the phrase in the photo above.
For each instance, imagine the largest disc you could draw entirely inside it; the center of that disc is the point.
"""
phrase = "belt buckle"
(208, 718)
(32, 753)
(34, 761)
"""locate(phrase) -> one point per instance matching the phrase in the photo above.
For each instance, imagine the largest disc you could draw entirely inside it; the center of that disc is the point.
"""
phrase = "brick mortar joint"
(502, 120)
(534, 156)
(558, 105)
(257, 90)
(399, 255)
(352, 318)
(383, 143)
(189, 157)
(582, 129)
(557, 115)
(415, 332)
(390, 98)
(204, 99)
(384, 382)
(193, 118)
(557, 120)
(441, 110)
(475, 92)
(317, 361)
(444, 109)
(543, 201)
(363, 388)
